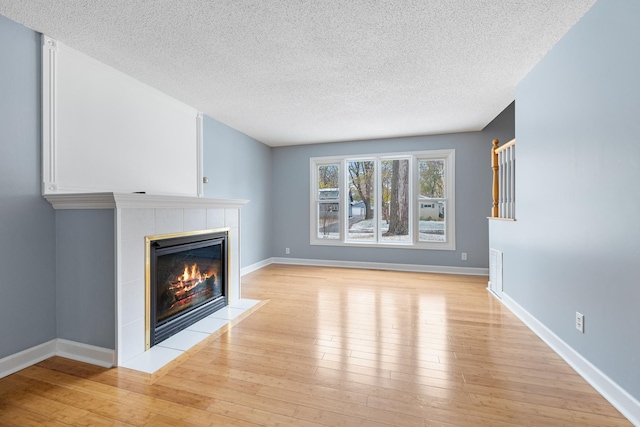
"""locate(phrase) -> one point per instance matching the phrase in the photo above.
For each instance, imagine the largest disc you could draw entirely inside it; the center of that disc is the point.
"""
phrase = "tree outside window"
(395, 199)
(362, 221)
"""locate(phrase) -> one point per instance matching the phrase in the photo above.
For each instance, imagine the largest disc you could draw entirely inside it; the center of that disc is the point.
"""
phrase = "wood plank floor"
(332, 347)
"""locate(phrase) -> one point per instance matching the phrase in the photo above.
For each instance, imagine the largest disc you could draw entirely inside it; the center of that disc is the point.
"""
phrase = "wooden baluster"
(496, 189)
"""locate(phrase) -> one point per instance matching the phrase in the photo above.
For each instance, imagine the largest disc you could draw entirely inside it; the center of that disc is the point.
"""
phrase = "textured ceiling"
(305, 71)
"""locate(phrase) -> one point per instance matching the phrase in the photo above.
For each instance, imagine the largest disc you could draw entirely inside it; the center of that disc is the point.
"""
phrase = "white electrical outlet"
(580, 322)
(286, 251)
(464, 256)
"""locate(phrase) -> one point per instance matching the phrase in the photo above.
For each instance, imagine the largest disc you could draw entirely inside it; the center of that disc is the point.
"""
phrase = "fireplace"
(187, 280)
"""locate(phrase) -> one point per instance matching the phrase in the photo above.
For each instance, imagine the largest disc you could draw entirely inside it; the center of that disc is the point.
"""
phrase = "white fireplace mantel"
(134, 217)
(136, 201)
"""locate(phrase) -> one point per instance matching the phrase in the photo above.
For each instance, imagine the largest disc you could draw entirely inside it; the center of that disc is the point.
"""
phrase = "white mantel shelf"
(136, 201)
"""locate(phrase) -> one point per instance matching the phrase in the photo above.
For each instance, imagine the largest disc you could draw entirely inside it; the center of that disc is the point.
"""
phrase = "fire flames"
(194, 275)
(184, 285)
(188, 280)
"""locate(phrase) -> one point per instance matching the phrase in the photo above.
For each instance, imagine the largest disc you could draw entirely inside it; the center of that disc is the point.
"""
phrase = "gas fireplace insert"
(187, 280)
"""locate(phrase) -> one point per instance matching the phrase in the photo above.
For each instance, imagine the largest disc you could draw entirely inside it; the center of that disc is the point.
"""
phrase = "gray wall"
(85, 291)
(291, 218)
(503, 129)
(27, 241)
(239, 167)
(576, 243)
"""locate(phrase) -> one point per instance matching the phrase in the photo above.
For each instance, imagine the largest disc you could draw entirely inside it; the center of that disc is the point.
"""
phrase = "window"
(361, 188)
(391, 200)
(328, 202)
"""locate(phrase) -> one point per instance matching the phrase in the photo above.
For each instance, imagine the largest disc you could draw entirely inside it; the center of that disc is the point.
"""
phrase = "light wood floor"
(332, 347)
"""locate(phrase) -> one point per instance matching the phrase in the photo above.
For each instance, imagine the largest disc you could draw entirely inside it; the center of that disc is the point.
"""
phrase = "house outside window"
(385, 200)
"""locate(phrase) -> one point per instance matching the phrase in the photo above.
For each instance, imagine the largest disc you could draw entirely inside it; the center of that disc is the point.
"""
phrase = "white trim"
(257, 266)
(442, 269)
(49, 52)
(136, 201)
(381, 245)
(199, 154)
(85, 353)
(26, 358)
(609, 389)
(57, 347)
(117, 295)
(237, 269)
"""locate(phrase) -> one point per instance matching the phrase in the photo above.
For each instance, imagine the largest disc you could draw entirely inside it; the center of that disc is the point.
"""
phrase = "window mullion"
(410, 198)
(416, 200)
(344, 192)
(378, 202)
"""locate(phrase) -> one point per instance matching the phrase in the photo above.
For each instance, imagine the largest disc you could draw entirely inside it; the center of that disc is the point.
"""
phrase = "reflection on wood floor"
(332, 347)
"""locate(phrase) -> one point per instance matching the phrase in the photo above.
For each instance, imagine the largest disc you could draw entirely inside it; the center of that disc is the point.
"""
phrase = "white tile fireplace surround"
(140, 215)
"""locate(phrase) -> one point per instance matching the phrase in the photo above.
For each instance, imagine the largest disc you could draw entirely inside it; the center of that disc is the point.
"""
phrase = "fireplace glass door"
(188, 282)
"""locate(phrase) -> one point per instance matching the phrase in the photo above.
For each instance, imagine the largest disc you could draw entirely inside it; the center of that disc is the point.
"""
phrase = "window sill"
(425, 246)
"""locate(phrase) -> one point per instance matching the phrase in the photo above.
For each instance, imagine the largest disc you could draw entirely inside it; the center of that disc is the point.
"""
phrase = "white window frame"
(315, 197)
(448, 155)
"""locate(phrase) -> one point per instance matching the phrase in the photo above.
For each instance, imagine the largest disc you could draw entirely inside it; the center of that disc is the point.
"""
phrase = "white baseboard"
(257, 266)
(609, 389)
(85, 353)
(379, 266)
(57, 347)
(26, 358)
